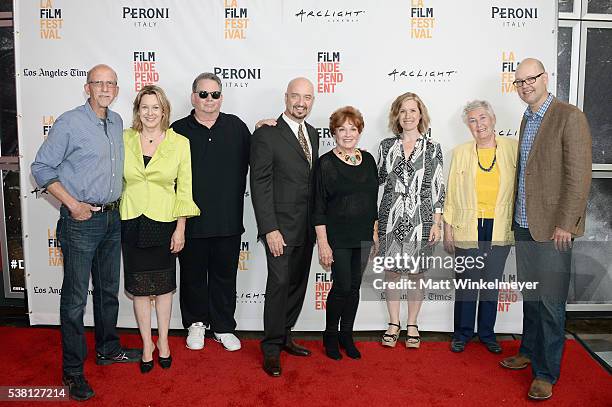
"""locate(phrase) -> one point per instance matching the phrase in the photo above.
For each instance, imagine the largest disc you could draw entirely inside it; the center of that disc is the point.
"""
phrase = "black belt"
(111, 206)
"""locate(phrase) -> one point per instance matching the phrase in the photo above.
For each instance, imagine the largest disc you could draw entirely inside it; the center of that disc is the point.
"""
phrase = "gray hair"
(206, 75)
(477, 104)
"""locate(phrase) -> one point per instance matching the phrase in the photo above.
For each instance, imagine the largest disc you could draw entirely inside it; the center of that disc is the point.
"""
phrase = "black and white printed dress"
(413, 192)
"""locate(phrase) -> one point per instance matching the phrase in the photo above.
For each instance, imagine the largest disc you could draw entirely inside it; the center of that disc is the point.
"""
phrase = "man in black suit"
(282, 160)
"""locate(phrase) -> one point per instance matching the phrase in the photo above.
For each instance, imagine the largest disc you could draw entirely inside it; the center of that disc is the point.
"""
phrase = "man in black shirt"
(220, 146)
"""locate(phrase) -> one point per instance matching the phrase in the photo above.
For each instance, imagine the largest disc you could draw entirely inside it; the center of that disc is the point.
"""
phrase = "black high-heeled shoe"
(146, 367)
(165, 363)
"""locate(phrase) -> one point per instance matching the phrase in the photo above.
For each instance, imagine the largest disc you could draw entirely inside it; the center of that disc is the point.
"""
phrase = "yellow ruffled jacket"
(162, 190)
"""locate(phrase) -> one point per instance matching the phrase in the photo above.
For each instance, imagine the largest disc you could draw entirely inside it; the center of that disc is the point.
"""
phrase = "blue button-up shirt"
(532, 125)
(85, 154)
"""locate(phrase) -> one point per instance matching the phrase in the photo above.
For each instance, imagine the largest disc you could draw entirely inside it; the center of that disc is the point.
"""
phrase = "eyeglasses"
(99, 84)
(529, 81)
(204, 94)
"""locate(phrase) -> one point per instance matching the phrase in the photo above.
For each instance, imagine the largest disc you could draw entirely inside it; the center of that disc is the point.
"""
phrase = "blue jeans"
(543, 308)
(466, 299)
(89, 247)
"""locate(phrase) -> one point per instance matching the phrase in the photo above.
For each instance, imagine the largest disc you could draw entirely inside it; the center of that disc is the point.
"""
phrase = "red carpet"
(430, 376)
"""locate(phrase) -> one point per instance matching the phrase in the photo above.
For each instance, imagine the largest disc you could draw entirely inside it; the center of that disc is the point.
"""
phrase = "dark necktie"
(304, 144)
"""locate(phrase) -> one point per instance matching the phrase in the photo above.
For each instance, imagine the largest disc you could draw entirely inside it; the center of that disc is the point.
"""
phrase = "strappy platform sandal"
(413, 341)
(390, 340)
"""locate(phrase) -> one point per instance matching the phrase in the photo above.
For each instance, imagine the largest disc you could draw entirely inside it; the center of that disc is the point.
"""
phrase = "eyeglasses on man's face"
(101, 84)
(204, 94)
(519, 83)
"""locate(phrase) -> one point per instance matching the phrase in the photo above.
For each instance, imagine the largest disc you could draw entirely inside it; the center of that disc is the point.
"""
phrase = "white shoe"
(229, 341)
(195, 338)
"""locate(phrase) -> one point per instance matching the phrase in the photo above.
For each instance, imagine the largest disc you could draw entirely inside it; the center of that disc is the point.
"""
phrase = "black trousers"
(208, 282)
(343, 298)
(285, 291)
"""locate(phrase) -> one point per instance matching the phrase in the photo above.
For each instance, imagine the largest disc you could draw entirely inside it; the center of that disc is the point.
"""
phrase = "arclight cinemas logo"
(428, 75)
(330, 16)
(145, 17)
(514, 17)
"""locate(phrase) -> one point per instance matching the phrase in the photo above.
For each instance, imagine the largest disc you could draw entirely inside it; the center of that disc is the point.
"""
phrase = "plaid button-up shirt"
(532, 125)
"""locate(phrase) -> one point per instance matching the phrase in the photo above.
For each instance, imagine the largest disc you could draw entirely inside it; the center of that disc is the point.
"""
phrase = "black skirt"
(149, 268)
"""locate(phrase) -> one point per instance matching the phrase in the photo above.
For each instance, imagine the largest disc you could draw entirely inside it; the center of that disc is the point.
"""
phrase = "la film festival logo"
(145, 71)
(329, 73)
(423, 74)
(233, 77)
(51, 21)
(142, 17)
(422, 20)
(236, 20)
(47, 123)
(56, 258)
(514, 17)
(508, 69)
(323, 283)
(245, 256)
(330, 16)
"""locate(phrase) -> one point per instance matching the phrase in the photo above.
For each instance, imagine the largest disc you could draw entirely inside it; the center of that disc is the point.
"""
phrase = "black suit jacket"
(282, 182)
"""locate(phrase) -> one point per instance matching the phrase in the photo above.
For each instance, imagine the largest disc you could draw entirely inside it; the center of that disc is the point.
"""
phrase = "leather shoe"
(493, 347)
(294, 349)
(457, 346)
(271, 365)
(515, 362)
(78, 388)
(540, 390)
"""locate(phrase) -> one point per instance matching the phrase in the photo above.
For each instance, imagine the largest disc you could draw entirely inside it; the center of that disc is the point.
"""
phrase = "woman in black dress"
(156, 200)
(345, 218)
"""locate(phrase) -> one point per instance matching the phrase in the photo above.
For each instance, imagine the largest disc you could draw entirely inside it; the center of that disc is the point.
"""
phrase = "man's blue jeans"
(90, 247)
(543, 308)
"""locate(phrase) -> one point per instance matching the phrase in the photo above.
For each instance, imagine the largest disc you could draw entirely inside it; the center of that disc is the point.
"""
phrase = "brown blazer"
(558, 172)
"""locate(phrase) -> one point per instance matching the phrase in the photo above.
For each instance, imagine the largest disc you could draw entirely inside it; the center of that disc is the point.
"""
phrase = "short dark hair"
(206, 75)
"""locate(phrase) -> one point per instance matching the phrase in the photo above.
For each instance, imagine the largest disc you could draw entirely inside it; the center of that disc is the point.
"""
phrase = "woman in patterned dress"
(410, 212)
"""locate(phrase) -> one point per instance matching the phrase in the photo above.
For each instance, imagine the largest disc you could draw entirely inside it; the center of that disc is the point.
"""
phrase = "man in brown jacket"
(553, 181)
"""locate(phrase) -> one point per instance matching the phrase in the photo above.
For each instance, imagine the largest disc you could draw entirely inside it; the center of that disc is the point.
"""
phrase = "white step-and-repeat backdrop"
(356, 52)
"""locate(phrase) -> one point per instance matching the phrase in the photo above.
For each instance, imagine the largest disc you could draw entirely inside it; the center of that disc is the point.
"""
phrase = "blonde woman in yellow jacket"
(156, 201)
(478, 216)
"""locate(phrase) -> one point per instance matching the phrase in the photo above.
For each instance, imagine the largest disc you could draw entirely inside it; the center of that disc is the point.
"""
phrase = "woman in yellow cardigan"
(478, 215)
(156, 201)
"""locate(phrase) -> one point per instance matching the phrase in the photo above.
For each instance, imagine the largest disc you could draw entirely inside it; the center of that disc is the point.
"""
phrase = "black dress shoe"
(146, 367)
(294, 349)
(457, 346)
(347, 343)
(165, 363)
(78, 388)
(271, 365)
(123, 356)
(330, 343)
(493, 347)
